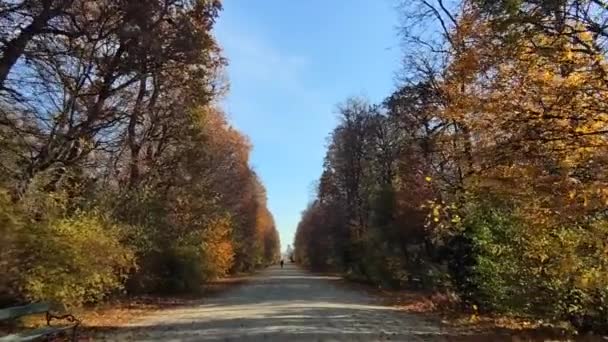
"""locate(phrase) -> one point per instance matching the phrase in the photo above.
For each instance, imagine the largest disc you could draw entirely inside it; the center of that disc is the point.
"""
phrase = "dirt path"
(283, 305)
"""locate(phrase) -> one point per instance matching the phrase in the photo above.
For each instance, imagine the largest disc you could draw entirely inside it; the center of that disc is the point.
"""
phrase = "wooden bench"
(49, 330)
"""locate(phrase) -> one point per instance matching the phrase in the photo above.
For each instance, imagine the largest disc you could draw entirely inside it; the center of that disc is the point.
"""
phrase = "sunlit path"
(283, 305)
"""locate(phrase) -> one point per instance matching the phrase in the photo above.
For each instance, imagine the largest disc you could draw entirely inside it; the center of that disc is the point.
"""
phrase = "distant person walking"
(282, 263)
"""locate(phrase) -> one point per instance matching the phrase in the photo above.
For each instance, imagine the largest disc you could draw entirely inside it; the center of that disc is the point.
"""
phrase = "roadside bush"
(578, 269)
(11, 225)
(184, 265)
(381, 259)
(505, 261)
(379, 264)
(216, 251)
(73, 260)
(394, 248)
(182, 272)
(483, 259)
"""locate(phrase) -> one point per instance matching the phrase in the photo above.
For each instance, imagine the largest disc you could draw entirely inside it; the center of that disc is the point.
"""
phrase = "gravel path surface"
(283, 305)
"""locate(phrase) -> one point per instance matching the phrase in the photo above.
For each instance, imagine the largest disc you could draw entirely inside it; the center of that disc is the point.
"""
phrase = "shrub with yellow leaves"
(74, 260)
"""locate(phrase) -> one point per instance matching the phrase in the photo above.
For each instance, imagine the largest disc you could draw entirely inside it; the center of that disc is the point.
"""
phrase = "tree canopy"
(119, 171)
(484, 172)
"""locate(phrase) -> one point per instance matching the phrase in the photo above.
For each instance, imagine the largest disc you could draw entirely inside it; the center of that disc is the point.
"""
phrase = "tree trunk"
(134, 145)
(14, 49)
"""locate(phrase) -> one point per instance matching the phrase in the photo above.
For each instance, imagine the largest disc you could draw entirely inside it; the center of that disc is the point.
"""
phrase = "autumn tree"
(81, 84)
(111, 137)
(482, 172)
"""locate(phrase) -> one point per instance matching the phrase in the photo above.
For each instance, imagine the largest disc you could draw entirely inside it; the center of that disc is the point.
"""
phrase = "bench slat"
(20, 311)
(32, 335)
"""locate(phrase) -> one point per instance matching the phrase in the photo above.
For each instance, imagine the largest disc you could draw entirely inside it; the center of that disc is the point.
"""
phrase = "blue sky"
(291, 62)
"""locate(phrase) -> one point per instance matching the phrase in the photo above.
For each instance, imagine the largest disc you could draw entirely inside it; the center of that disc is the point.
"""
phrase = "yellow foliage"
(217, 253)
(11, 225)
(74, 260)
(530, 108)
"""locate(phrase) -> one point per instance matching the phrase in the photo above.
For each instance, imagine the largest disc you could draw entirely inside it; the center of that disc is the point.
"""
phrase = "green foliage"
(500, 262)
(195, 259)
(484, 259)
(380, 264)
(182, 270)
